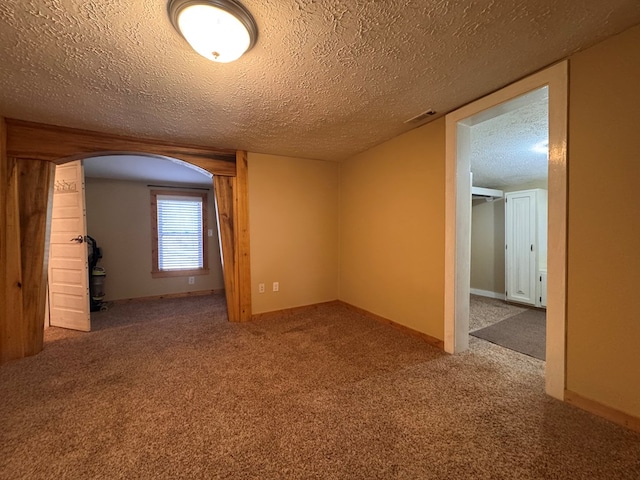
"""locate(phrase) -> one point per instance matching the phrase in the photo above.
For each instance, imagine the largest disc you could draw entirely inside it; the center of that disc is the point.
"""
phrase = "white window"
(179, 233)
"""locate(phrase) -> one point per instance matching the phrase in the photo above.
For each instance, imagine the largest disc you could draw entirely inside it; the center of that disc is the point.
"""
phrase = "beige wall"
(118, 217)
(392, 229)
(293, 218)
(487, 246)
(603, 311)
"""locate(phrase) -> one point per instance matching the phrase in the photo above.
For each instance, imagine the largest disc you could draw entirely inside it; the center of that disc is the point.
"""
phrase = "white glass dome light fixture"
(220, 30)
(541, 147)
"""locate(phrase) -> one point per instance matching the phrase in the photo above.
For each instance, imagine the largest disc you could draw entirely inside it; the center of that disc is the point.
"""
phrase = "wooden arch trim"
(28, 154)
(36, 141)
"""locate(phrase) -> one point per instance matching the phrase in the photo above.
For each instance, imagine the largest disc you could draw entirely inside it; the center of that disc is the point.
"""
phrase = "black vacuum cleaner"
(96, 277)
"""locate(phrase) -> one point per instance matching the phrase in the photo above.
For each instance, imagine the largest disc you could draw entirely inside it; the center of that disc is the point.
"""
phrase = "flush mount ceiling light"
(541, 147)
(220, 30)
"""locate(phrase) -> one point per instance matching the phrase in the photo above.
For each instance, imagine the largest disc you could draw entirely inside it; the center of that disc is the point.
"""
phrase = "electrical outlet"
(192, 280)
(210, 232)
(261, 288)
(276, 286)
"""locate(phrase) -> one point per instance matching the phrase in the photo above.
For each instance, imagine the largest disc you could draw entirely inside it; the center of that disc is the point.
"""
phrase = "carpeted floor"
(510, 326)
(524, 332)
(168, 389)
(485, 311)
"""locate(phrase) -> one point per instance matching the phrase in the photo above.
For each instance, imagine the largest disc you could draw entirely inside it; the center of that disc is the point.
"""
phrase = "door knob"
(78, 239)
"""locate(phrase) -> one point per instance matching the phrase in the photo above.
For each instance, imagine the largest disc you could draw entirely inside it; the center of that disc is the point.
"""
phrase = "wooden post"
(35, 189)
(11, 314)
(233, 229)
(224, 194)
(241, 221)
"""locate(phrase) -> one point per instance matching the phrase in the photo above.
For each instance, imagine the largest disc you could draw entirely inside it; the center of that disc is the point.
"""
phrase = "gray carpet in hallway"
(525, 332)
(485, 311)
(170, 389)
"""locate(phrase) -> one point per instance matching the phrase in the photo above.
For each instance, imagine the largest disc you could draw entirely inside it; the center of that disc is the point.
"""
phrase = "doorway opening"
(109, 206)
(508, 158)
(458, 217)
(35, 148)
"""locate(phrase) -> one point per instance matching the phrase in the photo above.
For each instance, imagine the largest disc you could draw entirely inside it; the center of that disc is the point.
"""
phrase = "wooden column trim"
(35, 177)
(225, 206)
(241, 220)
(11, 315)
(61, 144)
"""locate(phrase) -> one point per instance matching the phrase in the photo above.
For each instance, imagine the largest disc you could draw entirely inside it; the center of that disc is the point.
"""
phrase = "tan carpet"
(167, 390)
(485, 311)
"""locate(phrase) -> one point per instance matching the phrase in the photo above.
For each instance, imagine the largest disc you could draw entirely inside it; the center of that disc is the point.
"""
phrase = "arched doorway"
(28, 155)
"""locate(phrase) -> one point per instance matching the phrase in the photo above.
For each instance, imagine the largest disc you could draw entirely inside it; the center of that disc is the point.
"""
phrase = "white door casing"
(68, 262)
(457, 256)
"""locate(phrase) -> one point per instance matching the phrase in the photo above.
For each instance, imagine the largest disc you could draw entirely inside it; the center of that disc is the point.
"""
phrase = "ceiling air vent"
(421, 116)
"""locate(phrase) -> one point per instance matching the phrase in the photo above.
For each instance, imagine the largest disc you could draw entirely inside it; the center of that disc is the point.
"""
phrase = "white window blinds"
(179, 233)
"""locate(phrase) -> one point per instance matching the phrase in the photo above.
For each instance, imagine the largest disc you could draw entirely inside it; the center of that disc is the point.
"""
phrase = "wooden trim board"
(604, 411)
(310, 308)
(12, 341)
(34, 177)
(51, 143)
(433, 341)
(223, 188)
(241, 221)
(288, 312)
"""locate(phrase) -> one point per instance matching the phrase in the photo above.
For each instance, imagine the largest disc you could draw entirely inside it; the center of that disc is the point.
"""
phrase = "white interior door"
(68, 263)
(520, 229)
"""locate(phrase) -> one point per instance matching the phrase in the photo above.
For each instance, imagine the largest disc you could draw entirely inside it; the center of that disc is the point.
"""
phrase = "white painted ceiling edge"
(150, 170)
(327, 79)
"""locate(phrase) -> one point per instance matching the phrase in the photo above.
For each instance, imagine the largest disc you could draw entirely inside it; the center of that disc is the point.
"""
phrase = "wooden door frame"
(28, 155)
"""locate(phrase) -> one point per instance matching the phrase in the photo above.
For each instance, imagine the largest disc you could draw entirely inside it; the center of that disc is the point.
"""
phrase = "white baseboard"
(487, 293)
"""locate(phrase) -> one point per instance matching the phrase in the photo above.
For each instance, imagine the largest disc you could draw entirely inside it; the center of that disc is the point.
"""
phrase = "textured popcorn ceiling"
(503, 147)
(326, 79)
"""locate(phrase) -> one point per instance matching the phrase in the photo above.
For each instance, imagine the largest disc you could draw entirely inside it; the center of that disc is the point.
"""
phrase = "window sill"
(179, 273)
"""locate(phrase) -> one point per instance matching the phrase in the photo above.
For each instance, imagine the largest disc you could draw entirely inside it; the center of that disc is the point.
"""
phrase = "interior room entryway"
(35, 151)
(101, 229)
(508, 159)
(458, 216)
